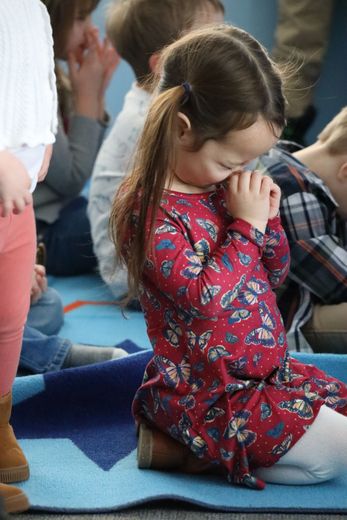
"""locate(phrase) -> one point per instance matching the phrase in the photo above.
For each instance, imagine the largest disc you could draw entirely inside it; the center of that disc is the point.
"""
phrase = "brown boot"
(14, 499)
(156, 450)
(13, 464)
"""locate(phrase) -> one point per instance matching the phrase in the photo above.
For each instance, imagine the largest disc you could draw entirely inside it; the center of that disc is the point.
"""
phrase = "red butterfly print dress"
(221, 380)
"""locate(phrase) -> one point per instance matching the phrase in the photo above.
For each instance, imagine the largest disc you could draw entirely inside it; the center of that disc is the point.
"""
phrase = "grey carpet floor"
(175, 512)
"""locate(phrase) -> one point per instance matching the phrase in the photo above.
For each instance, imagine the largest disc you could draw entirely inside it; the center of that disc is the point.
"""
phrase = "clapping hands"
(90, 72)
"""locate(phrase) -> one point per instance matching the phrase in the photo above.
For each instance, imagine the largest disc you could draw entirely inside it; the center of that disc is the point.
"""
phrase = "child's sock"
(80, 355)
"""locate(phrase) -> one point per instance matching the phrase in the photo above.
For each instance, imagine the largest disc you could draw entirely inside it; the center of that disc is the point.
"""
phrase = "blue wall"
(259, 18)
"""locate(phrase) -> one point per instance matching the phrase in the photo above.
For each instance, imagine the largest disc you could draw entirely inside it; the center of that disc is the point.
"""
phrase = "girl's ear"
(342, 173)
(153, 63)
(184, 129)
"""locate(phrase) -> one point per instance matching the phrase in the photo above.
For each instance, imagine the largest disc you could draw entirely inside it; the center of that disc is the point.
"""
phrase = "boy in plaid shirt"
(313, 181)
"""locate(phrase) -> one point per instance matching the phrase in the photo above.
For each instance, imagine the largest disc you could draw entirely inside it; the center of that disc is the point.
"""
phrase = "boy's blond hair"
(140, 28)
(334, 135)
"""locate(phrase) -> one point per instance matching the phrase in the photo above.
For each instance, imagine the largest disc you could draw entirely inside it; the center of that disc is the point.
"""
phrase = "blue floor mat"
(97, 324)
(77, 431)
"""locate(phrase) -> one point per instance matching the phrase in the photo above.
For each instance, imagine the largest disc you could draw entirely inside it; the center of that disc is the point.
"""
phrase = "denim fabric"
(47, 315)
(68, 241)
(43, 351)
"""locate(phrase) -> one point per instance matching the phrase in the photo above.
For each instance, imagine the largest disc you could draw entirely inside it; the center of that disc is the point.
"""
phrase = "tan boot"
(156, 450)
(13, 464)
(14, 499)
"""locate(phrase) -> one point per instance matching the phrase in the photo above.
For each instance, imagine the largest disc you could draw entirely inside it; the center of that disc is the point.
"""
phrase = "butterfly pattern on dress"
(254, 289)
(202, 249)
(221, 381)
(172, 332)
(193, 267)
(237, 428)
(263, 335)
(302, 406)
(201, 340)
(173, 373)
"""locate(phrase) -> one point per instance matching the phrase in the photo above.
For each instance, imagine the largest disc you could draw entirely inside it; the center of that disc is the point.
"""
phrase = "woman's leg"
(320, 454)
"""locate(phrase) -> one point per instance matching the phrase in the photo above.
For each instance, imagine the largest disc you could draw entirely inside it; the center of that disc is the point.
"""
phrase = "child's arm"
(318, 256)
(206, 289)
(14, 185)
(276, 255)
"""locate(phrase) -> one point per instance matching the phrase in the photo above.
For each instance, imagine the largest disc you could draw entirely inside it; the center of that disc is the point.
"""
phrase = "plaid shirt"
(317, 239)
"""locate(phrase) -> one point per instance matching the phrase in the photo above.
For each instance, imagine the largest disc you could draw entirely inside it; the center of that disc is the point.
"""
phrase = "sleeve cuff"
(248, 231)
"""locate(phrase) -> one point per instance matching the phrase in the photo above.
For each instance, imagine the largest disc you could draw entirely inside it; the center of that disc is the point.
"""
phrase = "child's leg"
(327, 329)
(17, 253)
(320, 454)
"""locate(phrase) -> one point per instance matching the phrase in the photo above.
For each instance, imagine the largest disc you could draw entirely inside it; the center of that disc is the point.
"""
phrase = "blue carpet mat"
(77, 431)
(78, 434)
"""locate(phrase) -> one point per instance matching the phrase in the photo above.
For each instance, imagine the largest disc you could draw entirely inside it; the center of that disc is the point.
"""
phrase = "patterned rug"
(78, 434)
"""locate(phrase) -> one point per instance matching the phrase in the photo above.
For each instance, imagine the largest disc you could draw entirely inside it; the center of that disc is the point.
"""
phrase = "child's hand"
(14, 185)
(90, 74)
(110, 60)
(45, 163)
(249, 197)
(275, 199)
(39, 283)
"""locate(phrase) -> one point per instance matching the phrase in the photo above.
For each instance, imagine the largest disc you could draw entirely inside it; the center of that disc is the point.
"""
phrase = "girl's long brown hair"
(232, 83)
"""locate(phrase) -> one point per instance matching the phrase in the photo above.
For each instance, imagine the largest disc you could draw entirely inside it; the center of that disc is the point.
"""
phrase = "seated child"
(139, 30)
(313, 300)
(42, 349)
(60, 209)
(204, 247)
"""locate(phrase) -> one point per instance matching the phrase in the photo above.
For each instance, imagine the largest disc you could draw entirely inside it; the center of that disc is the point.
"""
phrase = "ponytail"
(139, 195)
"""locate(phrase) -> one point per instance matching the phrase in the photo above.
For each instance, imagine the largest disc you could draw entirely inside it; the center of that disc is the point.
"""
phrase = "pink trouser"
(17, 255)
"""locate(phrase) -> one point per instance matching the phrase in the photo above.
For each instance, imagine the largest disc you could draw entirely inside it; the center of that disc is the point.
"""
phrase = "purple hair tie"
(187, 91)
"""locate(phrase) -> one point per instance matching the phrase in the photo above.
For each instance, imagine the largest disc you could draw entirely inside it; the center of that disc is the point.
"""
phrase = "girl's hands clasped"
(252, 197)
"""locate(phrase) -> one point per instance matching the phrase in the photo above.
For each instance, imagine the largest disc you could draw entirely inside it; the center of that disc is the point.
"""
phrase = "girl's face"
(77, 39)
(199, 171)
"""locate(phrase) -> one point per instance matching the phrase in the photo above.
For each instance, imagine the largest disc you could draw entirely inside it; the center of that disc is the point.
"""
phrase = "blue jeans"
(42, 350)
(68, 241)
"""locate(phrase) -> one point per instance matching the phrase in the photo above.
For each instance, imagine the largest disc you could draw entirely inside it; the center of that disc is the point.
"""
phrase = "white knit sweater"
(28, 98)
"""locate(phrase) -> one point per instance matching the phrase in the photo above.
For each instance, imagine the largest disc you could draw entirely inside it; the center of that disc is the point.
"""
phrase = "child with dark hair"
(60, 209)
(139, 30)
(204, 247)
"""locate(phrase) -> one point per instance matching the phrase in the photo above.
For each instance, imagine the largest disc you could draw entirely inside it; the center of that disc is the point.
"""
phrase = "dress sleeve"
(203, 287)
(276, 256)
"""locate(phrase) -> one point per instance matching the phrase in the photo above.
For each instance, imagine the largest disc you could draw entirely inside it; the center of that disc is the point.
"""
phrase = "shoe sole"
(16, 504)
(144, 447)
(16, 474)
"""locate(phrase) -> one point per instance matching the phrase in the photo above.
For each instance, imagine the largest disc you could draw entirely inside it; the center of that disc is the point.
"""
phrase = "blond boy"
(139, 30)
(314, 212)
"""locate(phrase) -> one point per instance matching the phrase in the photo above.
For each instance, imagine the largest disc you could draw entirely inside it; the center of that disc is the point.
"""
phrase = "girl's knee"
(324, 470)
